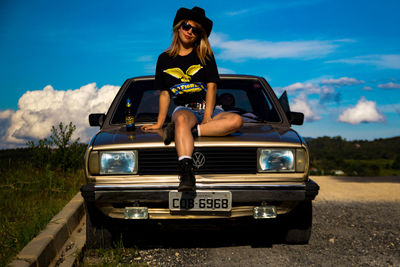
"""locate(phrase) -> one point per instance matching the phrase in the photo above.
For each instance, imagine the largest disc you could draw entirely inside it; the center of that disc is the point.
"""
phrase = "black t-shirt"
(185, 77)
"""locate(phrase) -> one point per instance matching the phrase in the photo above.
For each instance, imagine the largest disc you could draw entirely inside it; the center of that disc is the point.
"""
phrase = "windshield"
(245, 97)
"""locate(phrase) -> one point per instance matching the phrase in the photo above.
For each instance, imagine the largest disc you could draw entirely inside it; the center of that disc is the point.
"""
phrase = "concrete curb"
(44, 248)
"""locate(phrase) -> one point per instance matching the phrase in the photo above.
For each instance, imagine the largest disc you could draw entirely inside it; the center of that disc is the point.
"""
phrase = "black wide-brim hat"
(196, 14)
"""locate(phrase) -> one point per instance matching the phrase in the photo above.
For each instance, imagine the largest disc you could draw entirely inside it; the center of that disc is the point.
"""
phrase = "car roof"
(222, 76)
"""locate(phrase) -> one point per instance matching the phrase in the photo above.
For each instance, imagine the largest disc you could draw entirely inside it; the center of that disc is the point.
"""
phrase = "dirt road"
(362, 189)
(356, 222)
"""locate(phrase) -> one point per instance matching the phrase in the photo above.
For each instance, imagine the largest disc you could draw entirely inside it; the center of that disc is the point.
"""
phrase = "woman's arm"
(210, 102)
(164, 102)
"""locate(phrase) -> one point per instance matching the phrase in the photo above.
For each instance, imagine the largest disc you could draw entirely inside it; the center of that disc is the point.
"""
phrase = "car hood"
(249, 135)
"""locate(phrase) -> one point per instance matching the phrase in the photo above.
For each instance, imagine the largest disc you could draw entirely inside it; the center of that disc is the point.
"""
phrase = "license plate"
(200, 201)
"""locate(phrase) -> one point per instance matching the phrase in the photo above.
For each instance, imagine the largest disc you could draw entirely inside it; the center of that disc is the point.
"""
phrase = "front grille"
(218, 160)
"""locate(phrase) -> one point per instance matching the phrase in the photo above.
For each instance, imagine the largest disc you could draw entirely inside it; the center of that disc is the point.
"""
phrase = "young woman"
(187, 73)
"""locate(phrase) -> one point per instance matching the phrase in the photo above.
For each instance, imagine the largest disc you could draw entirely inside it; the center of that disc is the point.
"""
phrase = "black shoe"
(195, 133)
(169, 133)
(186, 176)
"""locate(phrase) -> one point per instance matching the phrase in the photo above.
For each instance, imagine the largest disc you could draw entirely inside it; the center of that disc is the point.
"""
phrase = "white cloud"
(383, 61)
(343, 81)
(225, 71)
(307, 107)
(390, 85)
(256, 49)
(39, 110)
(5, 121)
(6, 114)
(238, 12)
(367, 88)
(364, 111)
(324, 87)
(308, 87)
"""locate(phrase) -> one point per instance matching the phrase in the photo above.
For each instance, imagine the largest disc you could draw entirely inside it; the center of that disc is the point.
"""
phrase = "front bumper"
(112, 199)
(240, 193)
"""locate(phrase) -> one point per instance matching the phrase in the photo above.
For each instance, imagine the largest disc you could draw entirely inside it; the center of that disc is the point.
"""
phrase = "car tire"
(297, 224)
(98, 231)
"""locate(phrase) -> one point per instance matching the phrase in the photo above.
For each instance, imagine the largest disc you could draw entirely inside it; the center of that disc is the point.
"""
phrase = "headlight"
(276, 160)
(281, 160)
(118, 162)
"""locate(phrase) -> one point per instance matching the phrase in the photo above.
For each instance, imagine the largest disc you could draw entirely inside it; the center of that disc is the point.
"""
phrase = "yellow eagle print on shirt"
(184, 77)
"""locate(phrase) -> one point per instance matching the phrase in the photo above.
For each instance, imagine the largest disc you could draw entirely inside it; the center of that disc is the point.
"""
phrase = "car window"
(246, 97)
(147, 110)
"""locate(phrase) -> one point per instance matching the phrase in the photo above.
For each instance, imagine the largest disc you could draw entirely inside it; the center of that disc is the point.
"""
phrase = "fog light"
(264, 212)
(136, 213)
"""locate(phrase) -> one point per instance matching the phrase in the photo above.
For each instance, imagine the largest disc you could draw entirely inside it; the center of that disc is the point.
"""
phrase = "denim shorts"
(199, 113)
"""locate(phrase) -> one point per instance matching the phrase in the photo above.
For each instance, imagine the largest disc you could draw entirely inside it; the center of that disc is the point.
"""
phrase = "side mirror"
(96, 119)
(296, 118)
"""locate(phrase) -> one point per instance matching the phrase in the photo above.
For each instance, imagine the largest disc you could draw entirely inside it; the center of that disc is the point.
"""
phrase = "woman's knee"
(183, 119)
(180, 118)
(236, 121)
(239, 121)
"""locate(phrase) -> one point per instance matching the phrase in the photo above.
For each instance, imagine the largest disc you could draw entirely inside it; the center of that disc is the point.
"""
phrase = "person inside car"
(187, 73)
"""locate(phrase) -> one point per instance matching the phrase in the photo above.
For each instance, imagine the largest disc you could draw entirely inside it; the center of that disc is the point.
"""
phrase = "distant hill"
(359, 157)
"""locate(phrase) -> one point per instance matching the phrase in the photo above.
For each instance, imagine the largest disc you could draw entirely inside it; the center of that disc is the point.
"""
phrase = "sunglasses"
(186, 26)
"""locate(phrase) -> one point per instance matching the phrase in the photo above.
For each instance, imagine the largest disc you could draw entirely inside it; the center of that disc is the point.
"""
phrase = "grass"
(111, 257)
(117, 256)
(29, 198)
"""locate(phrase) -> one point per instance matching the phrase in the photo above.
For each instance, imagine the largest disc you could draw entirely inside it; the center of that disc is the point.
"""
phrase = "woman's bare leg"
(222, 124)
(184, 121)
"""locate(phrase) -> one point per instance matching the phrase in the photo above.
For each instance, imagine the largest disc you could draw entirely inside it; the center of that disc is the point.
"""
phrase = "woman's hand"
(149, 127)
(206, 119)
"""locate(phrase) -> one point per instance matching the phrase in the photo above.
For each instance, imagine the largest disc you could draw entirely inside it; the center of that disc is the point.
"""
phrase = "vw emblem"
(198, 159)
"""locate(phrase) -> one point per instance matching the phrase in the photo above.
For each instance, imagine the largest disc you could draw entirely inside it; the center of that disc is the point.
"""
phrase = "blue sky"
(338, 60)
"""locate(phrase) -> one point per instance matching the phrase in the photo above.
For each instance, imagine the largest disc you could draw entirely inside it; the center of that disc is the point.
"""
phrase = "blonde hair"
(202, 45)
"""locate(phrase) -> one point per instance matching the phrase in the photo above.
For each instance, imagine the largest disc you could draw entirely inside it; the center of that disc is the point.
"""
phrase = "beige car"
(258, 173)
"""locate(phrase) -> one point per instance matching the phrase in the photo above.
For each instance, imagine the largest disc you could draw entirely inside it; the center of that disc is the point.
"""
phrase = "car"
(259, 173)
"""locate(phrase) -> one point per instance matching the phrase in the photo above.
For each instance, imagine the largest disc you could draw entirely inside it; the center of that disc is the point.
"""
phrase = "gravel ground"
(345, 233)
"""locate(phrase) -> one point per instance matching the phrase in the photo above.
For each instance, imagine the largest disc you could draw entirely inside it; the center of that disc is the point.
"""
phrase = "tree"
(59, 150)
(67, 154)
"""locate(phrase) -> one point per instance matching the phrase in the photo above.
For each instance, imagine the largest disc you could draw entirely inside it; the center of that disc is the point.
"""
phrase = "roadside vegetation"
(35, 184)
(118, 256)
(336, 156)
